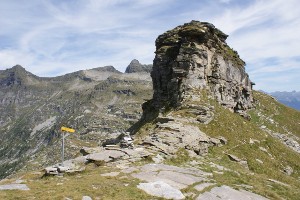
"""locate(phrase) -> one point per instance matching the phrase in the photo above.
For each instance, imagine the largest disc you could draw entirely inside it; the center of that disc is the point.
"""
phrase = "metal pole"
(63, 148)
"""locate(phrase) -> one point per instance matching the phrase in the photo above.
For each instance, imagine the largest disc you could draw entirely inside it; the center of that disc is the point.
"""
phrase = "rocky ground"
(155, 179)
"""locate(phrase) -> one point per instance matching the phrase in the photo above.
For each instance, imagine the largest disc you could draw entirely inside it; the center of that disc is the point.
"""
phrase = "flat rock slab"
(14, 187)
(106, 156)
(228, 193)
(176, 177)
(130, 170)
(161, 189)
(163, 167)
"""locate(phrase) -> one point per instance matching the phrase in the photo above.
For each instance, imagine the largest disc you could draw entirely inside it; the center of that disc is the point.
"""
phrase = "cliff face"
(196, 56)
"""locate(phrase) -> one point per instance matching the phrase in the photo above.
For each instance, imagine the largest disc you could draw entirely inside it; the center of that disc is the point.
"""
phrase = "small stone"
(261, 162)
(288, 170)
(111, 174)
(234, 158)
(86, 198)
(222, 140)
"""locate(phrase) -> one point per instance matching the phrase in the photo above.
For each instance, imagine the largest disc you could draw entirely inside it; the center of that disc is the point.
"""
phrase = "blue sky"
(54, 37)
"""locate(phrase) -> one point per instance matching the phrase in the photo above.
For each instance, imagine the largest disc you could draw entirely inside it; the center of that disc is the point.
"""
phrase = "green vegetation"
(231, 55)
(181, 157)
(266, 156)
(89, 183)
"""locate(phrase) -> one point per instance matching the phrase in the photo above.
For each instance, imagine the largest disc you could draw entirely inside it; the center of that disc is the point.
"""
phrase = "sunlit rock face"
(195, 56)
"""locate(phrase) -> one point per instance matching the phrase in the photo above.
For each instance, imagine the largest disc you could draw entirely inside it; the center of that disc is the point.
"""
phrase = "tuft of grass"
(181, 157)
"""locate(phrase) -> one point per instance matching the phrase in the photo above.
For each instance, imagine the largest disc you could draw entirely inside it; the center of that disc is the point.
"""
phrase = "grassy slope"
(238, 133)
(89, 183)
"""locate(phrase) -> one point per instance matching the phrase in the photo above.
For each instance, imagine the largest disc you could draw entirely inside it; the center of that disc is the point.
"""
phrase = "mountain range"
(98, 103)
(291, 99)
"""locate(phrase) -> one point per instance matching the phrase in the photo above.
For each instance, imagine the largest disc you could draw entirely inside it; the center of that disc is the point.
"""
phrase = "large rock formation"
(196, 56)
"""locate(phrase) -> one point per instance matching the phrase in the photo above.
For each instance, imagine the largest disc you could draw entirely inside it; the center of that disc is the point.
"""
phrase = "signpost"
(63, 130)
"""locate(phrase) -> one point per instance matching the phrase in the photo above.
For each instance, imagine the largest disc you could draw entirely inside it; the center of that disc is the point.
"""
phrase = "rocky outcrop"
(172, 134)
(136, 66)
(196, 56)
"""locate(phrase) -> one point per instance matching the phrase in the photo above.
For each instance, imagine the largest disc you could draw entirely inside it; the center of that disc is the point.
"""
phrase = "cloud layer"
(51, 38)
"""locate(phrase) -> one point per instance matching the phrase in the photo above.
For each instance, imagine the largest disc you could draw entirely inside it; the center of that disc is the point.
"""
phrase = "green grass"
(89, 183)
(238, 132)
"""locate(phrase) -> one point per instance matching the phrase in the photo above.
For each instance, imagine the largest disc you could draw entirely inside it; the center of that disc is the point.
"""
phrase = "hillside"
(99, 103)
(205, 134)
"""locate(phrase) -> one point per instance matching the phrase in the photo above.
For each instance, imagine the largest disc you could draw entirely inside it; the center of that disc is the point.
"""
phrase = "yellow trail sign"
(70, 130)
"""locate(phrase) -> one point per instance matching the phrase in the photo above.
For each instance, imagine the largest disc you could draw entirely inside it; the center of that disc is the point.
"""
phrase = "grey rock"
(86, 198)
(161, 189)
(129, 170)
(259, 161)
(223, 140)
(14, 187)
(158, 159)
(278, 182)
(105, 156)
(288, 170)
(180, 180)
(227, 193)
(170, 136)
(234, 158)
(244, 163)
(175, 176)
(111, 174)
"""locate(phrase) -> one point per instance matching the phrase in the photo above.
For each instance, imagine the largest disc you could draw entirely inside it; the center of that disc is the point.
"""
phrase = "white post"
(63, 148)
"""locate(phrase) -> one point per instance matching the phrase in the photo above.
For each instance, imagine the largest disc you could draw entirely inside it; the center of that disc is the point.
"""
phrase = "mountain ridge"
(32, 108)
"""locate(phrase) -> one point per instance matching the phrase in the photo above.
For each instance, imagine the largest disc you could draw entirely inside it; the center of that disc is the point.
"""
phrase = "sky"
(55, 37)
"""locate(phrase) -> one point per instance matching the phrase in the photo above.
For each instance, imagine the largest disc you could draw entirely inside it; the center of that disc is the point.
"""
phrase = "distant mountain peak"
(18, 67)
(136, 66)
(16, 75)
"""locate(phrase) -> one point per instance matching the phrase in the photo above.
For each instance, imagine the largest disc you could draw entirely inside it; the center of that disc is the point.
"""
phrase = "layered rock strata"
(196, 56)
